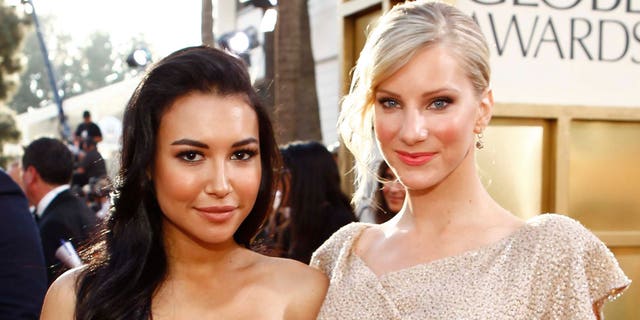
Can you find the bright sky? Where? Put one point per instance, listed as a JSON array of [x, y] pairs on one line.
[[167, 25]]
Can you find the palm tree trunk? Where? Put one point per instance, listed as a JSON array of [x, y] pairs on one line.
[[296, 101], [207, 23]]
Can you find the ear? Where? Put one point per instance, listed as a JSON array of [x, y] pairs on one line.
[[485, 109], [30, 176]]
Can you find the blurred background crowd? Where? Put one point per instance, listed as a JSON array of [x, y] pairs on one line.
[[65, 78]]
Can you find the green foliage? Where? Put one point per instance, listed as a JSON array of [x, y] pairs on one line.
[[33, 80], [8, 132], [12, 29], [90, 66]]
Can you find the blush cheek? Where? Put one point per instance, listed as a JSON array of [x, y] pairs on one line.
[[184, 188], [385, 132], [450, 133], [246, 185], [174, 186]]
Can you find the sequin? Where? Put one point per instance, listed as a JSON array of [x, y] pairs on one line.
[[551, 268]]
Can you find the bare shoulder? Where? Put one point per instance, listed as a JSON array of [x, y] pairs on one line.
[[60, 301], [305, 286], [291, 274], [371, 236]]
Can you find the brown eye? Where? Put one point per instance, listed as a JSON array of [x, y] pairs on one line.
[[190, 156], [243, 154]]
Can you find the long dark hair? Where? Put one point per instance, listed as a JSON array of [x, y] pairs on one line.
[[318, 205], [128, 261], [381, 207]]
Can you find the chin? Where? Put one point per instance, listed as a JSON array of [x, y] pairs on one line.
[[216, 236], [217, 239], [416, 183]]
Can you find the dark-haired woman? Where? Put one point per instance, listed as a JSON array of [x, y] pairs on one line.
[[195, 184], [389, 196], [317, 206]]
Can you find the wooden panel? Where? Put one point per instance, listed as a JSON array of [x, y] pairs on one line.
[[513, 165], [362, 23], [604, 175], [626, 306], [354, 29], [353, 7]]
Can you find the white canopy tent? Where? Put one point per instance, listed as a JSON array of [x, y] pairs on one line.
[[106, 105]]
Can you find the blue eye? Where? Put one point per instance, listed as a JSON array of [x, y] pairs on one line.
[[388, 103], [243, 155], [439, 104]]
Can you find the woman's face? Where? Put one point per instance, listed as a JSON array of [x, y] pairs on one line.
[[207, 167], [392, 191], [425, 117]]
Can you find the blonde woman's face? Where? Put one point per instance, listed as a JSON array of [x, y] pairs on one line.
[[207, 167], [425, 118]]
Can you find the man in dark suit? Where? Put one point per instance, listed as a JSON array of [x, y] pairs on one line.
[[23, 276], [61, 216]]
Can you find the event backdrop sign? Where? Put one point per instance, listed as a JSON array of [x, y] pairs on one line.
[[562, 52]]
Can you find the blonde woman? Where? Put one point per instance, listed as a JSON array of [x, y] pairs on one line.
[[422, 82]]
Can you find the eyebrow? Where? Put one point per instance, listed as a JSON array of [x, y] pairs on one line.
[[189, 142], [424, 94], [244, 142], [198, 144]]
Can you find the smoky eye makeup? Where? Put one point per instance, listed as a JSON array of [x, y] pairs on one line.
[[190, 155], [440, 103], [387, 102], [244, 154]]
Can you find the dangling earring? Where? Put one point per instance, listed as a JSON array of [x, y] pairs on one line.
[[479, 143]]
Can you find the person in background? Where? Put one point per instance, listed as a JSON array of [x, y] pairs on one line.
[[422, 82], [199, 165], [14, 170], [64, 220], [389, 196], [97, 195], [317, 206], [387, 199], [274, 237], [87, 129], [23, 275], [90, 165], [334, 148]]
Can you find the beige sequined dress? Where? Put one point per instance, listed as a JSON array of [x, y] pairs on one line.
[[551, 268]]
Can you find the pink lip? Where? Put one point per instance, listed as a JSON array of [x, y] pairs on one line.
[[216, 213], [415, 158]]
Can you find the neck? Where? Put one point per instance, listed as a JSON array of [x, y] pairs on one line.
[[459, 200], [190, 258], [38, 192]]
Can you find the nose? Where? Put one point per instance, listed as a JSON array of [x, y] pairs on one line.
[[218, 183], [395, 187], [414, 127]]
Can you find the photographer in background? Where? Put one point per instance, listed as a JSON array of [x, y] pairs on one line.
[[87, 130], [90, 164]]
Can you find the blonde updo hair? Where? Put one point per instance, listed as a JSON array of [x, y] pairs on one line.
[[392, 42]]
